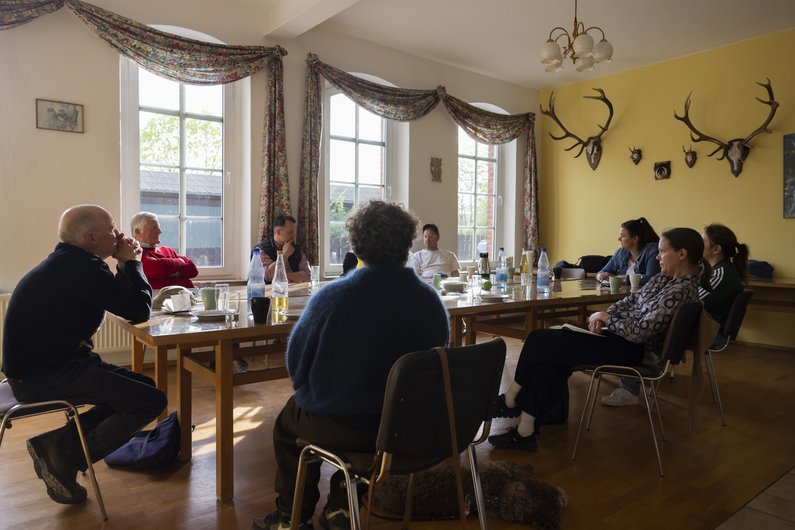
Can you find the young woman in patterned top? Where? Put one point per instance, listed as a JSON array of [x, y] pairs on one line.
[[631, 331]]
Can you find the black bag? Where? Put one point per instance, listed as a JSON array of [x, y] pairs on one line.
[[155, 449], [592, 263], [760, 269]]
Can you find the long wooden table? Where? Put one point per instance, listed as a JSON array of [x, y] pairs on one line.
[[186, 333]]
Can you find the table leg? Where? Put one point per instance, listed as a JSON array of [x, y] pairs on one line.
[[137, 355], [224, 435], [184, 406], [472, 334], [161, 373], [456, 331]]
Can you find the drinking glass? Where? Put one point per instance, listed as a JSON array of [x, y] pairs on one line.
[[229, 303], [314, 276], [475, 288]]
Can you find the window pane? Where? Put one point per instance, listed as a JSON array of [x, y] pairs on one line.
[[466, 210], [485, 180], [466, 175], [204, 242], [486, 150], [342, 160], [485, 241], [371, 164], [466, 145], [204, 143], [342, 116], [156, 91], [206, 100], [371, 127], [370, 192], [159, 139], [204, 190], [341, 201], [484, 210], [169, 227], [160, 191], [466, 244], [338, 242]]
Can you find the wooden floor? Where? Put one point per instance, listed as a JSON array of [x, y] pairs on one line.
[[613, 485]]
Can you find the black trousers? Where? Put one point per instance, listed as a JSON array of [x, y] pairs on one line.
[[124, 402], [329, 432], [549, 355]]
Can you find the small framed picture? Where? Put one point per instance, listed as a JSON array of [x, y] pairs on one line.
[[662, 170], [59, 116]]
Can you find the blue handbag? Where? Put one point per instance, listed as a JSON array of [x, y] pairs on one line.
[[155, 449]]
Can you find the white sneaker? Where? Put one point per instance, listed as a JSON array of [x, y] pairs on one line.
[[621, 397]]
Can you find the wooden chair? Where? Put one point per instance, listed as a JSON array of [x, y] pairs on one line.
[[677, 338], [415, 430], [10, 409], [727, 333]]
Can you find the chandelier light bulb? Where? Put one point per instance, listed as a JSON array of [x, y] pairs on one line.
[[603, 52], [550, 53], [584, 64], [583, 45]]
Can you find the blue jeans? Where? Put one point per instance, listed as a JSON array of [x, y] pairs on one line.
[[633, 385], [124, 402]]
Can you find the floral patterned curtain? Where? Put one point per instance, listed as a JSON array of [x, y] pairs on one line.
[[193, 62], [404, 105], [14, 13]]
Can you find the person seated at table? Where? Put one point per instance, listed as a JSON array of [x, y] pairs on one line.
[[339, 354], [637, 253], [54, 311], [163, 266], [629, 332], [349, 263], [729, 262], [295, 262], [431, 259]]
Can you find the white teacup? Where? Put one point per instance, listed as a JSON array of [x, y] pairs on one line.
[[180, 302], [463, 276], [634, 282]]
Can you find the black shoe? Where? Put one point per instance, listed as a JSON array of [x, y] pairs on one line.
[[504, 411], [511, 439], [337, 519], [277, 521], [56, 472]]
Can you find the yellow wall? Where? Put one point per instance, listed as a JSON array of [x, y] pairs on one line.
[[581, 209]]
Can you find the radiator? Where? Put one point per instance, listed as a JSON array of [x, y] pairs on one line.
[[110, 339]]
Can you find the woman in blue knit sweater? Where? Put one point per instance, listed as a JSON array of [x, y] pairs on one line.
[[340, 352]]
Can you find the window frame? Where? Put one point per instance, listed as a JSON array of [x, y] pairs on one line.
[[324, 186], [232, 240]]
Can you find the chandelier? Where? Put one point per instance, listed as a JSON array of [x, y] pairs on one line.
[[579, 47]]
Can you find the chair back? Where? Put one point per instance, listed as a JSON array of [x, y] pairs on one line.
[[679, 332], [572, 274], [731, 326], [414, 419]]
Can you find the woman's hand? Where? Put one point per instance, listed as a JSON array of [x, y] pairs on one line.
[[602, 276], [597, 322]]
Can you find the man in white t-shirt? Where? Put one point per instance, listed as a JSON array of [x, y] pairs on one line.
[[432, 260]]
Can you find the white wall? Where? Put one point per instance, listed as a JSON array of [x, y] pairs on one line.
[[58, 57]]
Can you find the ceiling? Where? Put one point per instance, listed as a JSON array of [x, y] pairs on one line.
[[502, 38]]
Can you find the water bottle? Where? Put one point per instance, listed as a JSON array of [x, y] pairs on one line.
[[256, 277], [542, 281], [279, 284], [502, 271]]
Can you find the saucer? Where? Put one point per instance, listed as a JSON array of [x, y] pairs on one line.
[[212, 314]]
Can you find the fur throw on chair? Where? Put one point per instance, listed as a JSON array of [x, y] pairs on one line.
[[509, 492]]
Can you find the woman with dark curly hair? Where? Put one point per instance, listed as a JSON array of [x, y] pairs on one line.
[[340, 352]]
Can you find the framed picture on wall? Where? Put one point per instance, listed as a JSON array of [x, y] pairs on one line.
[[789, 176], [59, 116]]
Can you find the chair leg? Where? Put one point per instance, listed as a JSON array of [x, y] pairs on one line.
[[651, 425], [300, 484], [4, 424], [408, 506], [582, 416], [713, 381], [90, 466], [478, 488], [592, 403], [656, 404]]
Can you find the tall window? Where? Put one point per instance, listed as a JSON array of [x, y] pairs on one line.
[[181, 137], [355, 169], [477, 195]]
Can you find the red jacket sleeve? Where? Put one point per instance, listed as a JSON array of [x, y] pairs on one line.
[[162, 263]]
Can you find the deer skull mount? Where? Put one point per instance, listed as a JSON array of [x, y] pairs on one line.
[[593, 144], [734, 151], [690, 156], [636, 156]]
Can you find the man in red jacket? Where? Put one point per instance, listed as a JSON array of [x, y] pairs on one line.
[[162, 265]]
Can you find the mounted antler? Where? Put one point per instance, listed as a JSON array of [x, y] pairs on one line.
[[736, 150], [593, 144]]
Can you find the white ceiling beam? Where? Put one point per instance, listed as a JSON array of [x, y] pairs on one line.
[[288, 19]]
